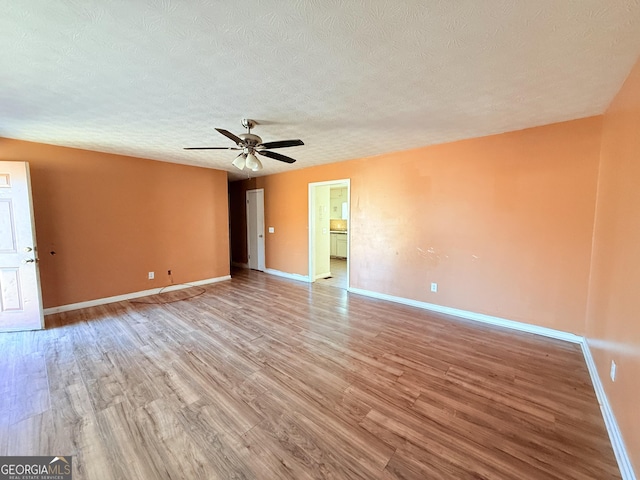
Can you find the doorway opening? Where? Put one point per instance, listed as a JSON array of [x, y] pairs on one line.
[[255, 229], [329, 232]]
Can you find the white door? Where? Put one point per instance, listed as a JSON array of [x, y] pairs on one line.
[[320, 210], [255, 229], [20, 300]]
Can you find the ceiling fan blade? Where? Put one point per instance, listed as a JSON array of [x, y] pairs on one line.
[[212, 148], [276, 156], [229, 135], [282, 144]]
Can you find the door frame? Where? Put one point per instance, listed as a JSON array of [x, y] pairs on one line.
[[261, 239], [311, 219]]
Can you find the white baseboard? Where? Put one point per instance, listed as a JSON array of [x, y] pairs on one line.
[[292, 276], [239, 265], [619, 449], [478, 317], [128, 296]]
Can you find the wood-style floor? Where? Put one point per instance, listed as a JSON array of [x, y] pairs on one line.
[[338, 276], [266, 378]]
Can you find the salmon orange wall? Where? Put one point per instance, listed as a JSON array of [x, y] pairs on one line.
[[613, 323], [111, 219], [502, 223]]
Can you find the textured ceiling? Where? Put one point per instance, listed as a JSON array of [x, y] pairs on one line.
[[350, 78]]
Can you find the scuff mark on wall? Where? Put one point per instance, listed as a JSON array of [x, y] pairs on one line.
[[433, 257]]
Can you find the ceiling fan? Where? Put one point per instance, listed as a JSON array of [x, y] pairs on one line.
[[251, 144]]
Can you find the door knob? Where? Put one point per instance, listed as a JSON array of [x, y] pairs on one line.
[[28, 260], [259, 236]]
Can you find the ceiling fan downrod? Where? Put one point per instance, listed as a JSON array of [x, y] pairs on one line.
[[248, 124]]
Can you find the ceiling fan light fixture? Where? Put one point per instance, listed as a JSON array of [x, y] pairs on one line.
[[239, 161], [258, 166], [253, 163]]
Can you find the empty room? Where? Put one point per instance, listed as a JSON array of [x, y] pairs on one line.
[[313, 240]]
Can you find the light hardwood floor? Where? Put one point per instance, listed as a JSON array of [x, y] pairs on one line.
[[338, 276], [266, 378]]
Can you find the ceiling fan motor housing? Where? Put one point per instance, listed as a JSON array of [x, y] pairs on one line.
[[250, 139]]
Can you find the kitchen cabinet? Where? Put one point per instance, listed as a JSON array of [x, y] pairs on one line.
[[338, 245], [341, 246]]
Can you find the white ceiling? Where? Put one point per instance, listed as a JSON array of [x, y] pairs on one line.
[[350, 78]]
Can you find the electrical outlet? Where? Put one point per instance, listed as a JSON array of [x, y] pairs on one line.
[[613, 371], [434, 287], [152, 275], [272, 230]]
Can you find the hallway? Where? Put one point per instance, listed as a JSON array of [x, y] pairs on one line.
[[338, 276]]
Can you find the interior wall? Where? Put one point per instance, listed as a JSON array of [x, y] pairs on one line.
[[613, 326], [111, 219], [502, 223]]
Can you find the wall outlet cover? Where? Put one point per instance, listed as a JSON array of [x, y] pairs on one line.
[[151, 275], [434, 287]]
